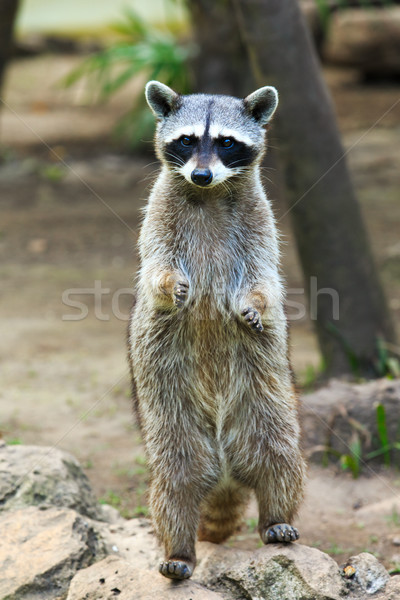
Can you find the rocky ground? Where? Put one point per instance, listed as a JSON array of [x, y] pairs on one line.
[[58, 544]]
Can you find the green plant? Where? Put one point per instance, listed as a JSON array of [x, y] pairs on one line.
[[14, 442], [252, 524], [382, 433], [311, 375], [334, 549], [142, 50], [385, 445], [324, 10], [395, 569], [352, 460], [140, 460], [386, 364], [394, 518], [111, 498], [53, 173], [141, 511]]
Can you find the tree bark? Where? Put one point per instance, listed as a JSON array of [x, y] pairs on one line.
[[8, 12], [222, 65], [327, 222]]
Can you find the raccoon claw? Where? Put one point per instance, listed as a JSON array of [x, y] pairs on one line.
[[280, 533], [180, 293], [176, 569], [253, 318]]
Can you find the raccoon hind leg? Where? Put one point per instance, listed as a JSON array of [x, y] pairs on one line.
[[222, 511]]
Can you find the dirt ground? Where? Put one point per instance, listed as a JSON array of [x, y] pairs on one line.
[[70, 207]]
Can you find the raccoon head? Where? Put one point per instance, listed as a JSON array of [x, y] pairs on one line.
[[208, 138]]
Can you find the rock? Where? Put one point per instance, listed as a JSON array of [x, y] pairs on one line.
[[369, 575], [368, 39], [290, 572], [35, 476], [392, 590], [332, 415], [133, 540], [47, 553], [396, 541], [117, 578], [40, 551]]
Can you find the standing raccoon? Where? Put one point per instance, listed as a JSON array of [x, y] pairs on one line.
[[208, 334]]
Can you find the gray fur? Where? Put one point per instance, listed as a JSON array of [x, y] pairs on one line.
[[214, 394]]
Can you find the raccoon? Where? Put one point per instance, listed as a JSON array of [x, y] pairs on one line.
[[208, 344]]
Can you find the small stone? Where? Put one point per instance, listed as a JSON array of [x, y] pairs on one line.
[[371, 576], [396, 541]]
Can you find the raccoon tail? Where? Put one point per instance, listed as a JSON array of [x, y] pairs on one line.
[[222, 511]]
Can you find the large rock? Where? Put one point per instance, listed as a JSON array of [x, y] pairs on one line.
[[368, 39], [293, 572], [40, 476], [286, 572], [115, 577], [40, 551], [54, 553], [334, 414]]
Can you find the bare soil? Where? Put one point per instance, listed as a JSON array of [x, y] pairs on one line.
[[70, 208]]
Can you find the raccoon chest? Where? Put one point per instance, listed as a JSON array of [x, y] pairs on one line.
[[213, 263]]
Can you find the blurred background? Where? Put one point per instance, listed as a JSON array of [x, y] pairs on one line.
[[77, 163]]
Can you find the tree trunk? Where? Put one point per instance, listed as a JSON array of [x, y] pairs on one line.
[[222, 66], [329, 230], [8, 12]]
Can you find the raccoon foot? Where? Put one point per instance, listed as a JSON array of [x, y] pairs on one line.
[[253, 318], [176, 568], [180, 293], [280, 532]]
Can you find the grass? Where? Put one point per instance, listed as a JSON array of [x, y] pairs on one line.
[[252, 524], [353, 460], [335, 550], [393, 518], [112, 499], [53, 173], [129, 495], [14, 442], [395, 570]]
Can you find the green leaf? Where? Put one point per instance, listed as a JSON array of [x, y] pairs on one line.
[[382, 432]]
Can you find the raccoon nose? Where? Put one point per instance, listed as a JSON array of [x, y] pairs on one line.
[[201, 177]]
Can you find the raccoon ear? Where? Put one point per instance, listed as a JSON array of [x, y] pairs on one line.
[[262, 104], [161, 99]]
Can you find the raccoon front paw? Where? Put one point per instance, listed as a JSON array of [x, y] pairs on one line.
[[252, 318], [180, 293]]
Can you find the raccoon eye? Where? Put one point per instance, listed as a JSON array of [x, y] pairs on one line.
[[186, 140], [227, 143]]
